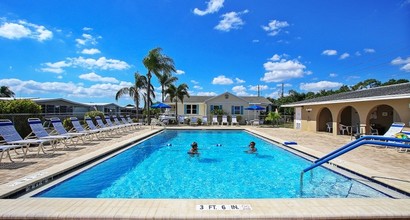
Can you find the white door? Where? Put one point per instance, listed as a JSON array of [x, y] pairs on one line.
[[298, 117]]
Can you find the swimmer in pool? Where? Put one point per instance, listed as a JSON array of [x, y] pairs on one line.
[[252, 148], [194, 149]]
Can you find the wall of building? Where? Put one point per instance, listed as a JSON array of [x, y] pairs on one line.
[[361, 113]]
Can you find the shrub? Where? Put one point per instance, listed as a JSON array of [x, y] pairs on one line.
[[18, 111], [93, 114]]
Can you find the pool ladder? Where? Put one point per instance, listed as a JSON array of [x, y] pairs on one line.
[[368, 139]]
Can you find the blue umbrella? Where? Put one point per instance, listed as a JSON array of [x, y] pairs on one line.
[[160, 105], [254, 107]]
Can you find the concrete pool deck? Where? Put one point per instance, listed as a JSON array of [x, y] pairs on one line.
[[381, 164]]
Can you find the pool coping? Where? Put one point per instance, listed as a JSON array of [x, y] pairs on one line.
[[41, 208]]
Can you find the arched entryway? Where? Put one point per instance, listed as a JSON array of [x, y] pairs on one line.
[[324, 117], [349, 120], [381, 117]]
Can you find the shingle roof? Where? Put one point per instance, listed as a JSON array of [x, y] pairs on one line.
[[200, 99], [379, 93]]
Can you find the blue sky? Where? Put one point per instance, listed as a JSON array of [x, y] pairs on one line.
[[87, 50]]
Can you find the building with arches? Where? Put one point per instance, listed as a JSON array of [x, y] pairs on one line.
[[366, 111]]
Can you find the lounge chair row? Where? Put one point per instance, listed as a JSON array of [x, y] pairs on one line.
[[47, 142]]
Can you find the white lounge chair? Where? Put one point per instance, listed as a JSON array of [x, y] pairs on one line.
[[80, 129], [215, 120], [59, 129], [395, 128], [194, 121], [234, 121], [12, 137], [40, 132], [6, 149], [224, 120], [204, 120], [93, 127]]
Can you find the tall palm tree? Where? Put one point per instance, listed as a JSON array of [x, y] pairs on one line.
[[156, 62], [136, 91], [6, 92], [165, 79], [176, 93]]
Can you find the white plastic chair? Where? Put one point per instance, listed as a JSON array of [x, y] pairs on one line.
[[204, 120], [343, 128], [215, 120], [329, 126], [234, 121], [224, 120]]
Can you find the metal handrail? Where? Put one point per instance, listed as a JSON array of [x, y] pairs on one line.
[[368, 139]]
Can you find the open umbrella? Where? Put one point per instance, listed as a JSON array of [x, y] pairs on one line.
[[160, 105], [254, 108]]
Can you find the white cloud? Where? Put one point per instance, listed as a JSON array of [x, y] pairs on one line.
[[261, 87], [207, 94], [283, 70], [222, 80], [255, 41], [239, 81], [56, 67], [97, 78], [87, 29], [194, 82], [404, 62], [275, 57], [180, 72], [87, 39], [231, 21], [357, 53], [344, 56], [329, 52], [240, 90], [315, 87], [102, 63], [197, 87], [333, 75], [90, 51], [23, 29], [369, 50], [64, 89], [212, 7], [275, 27]]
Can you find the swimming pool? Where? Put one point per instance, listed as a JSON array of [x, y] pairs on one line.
[[160, 167]]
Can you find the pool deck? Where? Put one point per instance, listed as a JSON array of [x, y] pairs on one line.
[[381, 164]]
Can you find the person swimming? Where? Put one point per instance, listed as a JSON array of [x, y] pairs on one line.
[[252, 148], [194, 149]]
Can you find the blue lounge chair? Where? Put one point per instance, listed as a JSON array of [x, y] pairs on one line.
[[12, 137], [80, 129], [40, 132], [59, 128]]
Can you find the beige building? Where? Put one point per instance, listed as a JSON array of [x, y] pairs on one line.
[[364, 111], [198, 106]]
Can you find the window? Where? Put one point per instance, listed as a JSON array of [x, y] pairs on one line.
[[191, 109], [237, 110]]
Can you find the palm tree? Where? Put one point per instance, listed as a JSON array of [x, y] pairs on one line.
[[176, 93], [136, 91], [165, 79], [156, 62], [6, 92]]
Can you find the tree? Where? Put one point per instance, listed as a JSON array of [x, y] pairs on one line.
[[135, 91], [273, 116], [176, 93], [165, 79], [156, 62], [6, 92]]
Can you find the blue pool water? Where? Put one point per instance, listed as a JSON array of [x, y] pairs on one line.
[[161, 168]]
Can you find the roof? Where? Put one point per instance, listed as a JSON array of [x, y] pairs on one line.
[[203, 99], [397, 91]]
